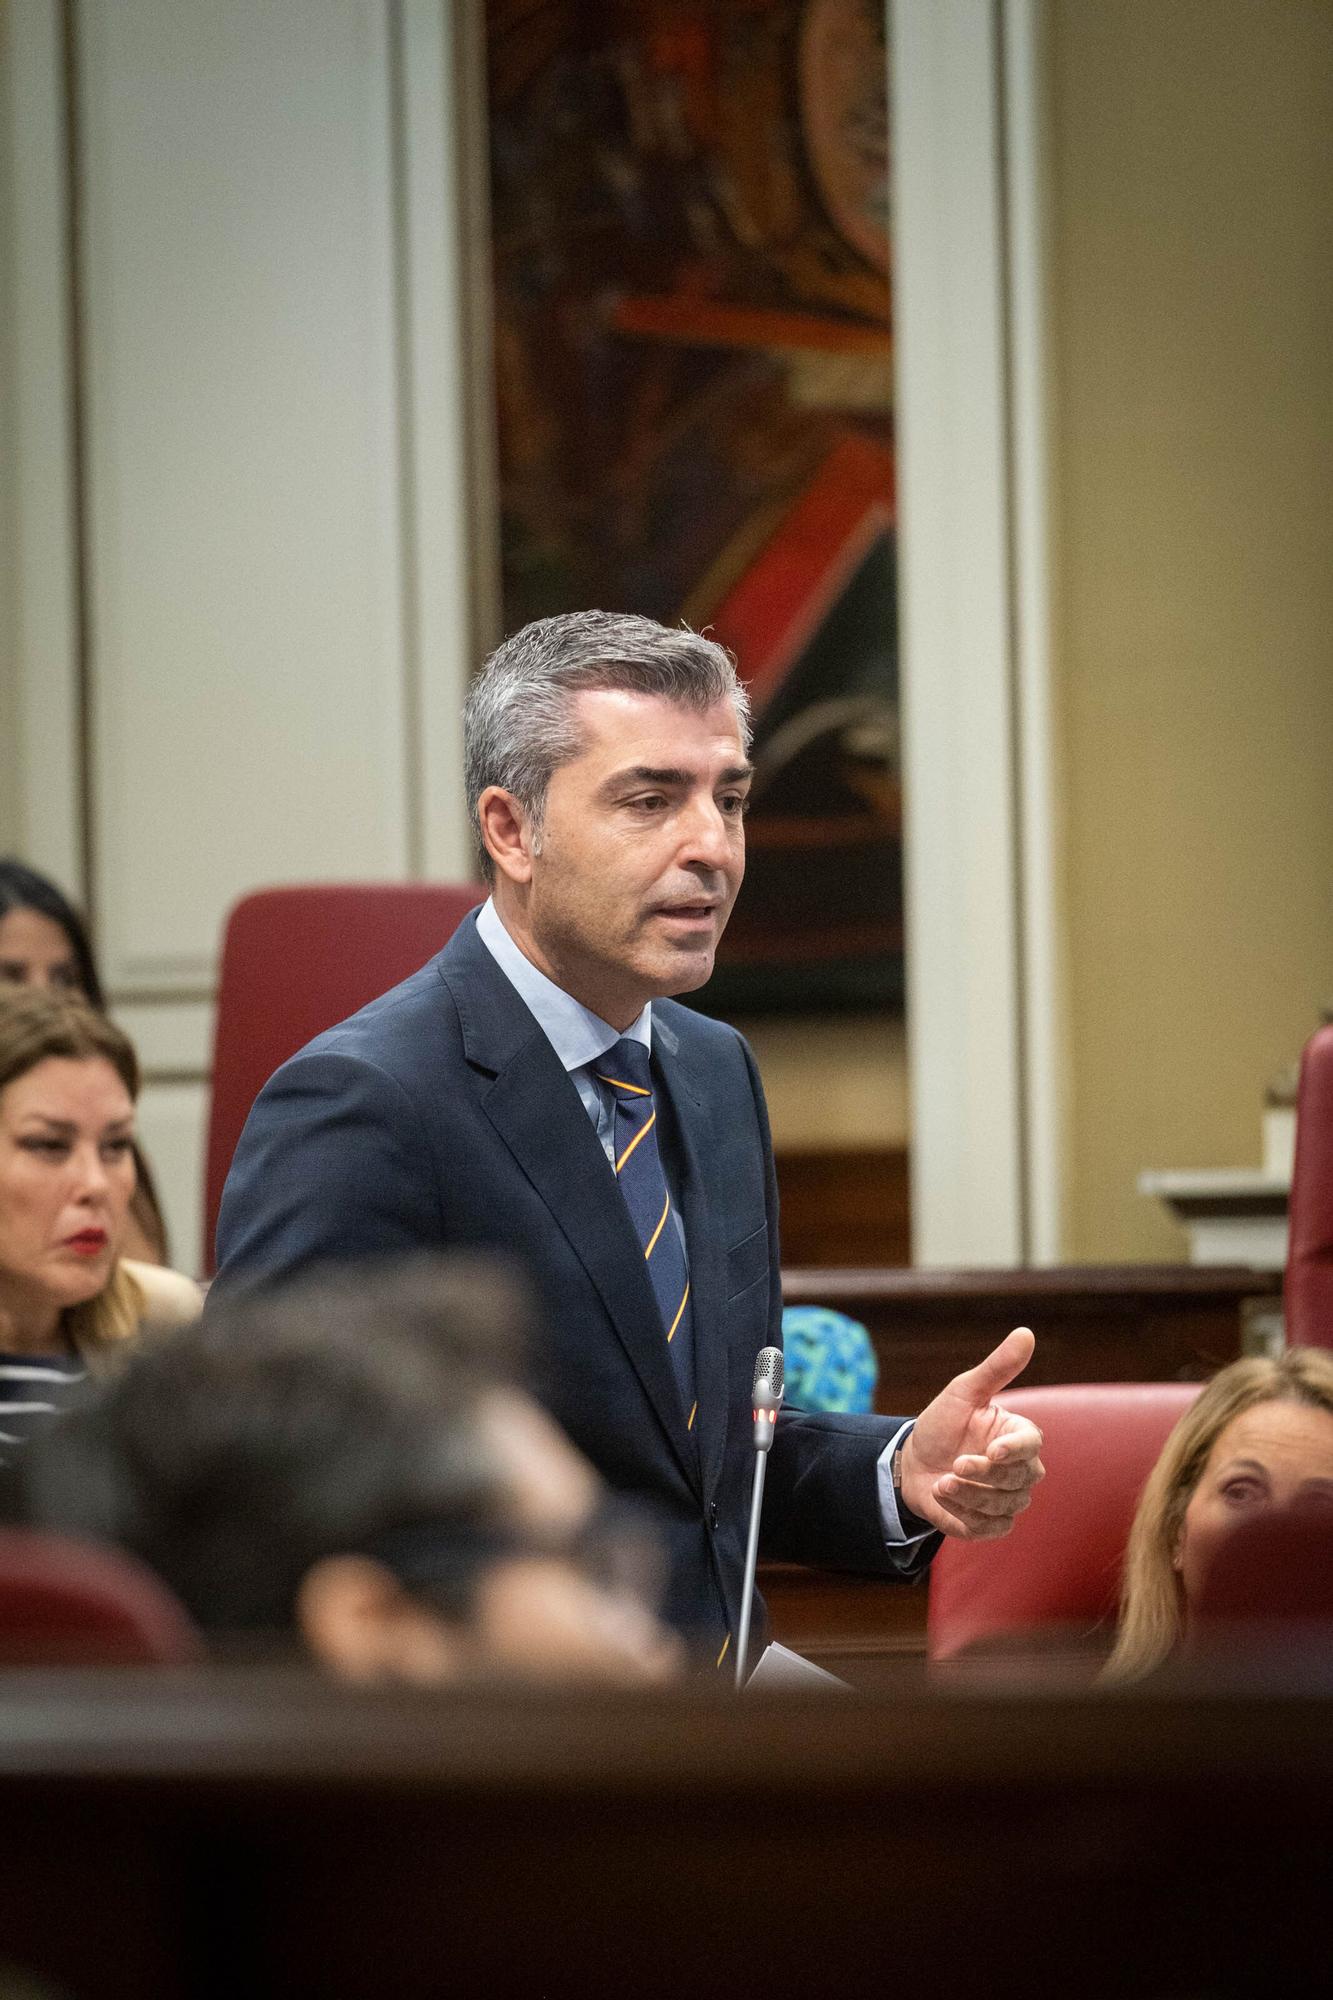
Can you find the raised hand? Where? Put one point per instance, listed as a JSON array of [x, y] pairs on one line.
[[969, 1466]]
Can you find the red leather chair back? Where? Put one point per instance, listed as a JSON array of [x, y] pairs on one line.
[[67, 1603], [296, 961], [1309, 1280], [1060, 1566]]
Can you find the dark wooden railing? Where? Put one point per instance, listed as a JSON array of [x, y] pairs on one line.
[[225, 1834]]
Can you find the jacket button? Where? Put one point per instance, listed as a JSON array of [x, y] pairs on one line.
[[712, 1513]]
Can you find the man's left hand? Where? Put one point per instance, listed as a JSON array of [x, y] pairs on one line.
[[968, 1467]]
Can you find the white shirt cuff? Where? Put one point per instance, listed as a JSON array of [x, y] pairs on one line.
[[890, 1518]]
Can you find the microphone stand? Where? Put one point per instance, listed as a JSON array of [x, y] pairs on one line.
[[751, 1561], [767, 1393]]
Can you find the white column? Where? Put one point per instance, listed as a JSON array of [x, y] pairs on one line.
[[981, 1030], [452, 515]]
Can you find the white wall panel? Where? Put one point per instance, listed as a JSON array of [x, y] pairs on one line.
[[173, 1036], [963, 1012], [278, 436], [44, 813], [242, 462], [1033, 417], [452, 514], [172, 1121]]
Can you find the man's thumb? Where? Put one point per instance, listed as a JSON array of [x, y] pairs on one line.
[[998, 1369]]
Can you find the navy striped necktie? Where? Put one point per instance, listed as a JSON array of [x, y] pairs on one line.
[[625, 1069]]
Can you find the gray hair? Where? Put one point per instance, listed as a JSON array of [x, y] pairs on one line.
[[518, 724]]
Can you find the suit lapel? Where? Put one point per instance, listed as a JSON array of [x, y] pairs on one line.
[[536, 1111], [700, 1207]]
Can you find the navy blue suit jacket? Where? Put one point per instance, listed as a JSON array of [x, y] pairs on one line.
[[440, 1116]]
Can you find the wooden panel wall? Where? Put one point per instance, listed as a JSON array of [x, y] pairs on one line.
[[845, 1208]]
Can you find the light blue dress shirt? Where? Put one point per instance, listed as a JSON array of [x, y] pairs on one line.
[[580, 1038]]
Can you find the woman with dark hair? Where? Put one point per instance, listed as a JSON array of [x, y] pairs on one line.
[[43, 939], [44, 943]]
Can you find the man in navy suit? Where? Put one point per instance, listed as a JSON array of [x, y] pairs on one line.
[[491, 1099]]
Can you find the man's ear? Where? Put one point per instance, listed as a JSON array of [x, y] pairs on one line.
[[356, 1618], [507, 832]]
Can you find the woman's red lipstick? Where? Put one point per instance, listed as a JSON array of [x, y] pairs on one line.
[[88, 1242]]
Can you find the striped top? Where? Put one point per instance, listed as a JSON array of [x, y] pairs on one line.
[[34, 1388]]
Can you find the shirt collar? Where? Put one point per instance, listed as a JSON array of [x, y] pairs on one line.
[[577, 1035]]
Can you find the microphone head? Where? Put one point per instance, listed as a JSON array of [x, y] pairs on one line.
[[769, 1373]]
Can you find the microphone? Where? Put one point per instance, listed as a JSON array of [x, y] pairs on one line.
[[767, 1400], [767, 1395]]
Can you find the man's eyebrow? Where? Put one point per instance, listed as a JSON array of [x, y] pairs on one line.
[[668, 775]]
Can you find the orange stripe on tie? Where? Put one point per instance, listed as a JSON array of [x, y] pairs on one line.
[[723, 1654], [676, 1322], [693, 1414], [618, 1083], [642, 1133], [652, 1240]]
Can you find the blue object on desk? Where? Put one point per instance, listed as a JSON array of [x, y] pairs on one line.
[[830, 1361]]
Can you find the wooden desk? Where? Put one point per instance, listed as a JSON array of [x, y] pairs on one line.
[[216, 1834]]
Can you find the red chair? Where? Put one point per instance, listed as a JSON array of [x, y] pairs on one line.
[[71, 1604], [1308, 1287], [1060, 1566], [294, 962]]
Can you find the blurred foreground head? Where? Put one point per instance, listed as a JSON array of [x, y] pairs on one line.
[[1256, 1441], [348, 1463]]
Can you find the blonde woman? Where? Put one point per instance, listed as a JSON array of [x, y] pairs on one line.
[[1259, 1435], [68, 1299]]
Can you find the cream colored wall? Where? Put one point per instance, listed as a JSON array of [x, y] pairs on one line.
[[1192, 338]]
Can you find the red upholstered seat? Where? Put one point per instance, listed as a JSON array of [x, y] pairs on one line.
[[67, 1603], [1060, 1567], [294, 962], [1309, 1281]]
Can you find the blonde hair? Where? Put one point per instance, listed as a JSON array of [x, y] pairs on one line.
[[1150, 1595], [35, 1024], [98, 1327]]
